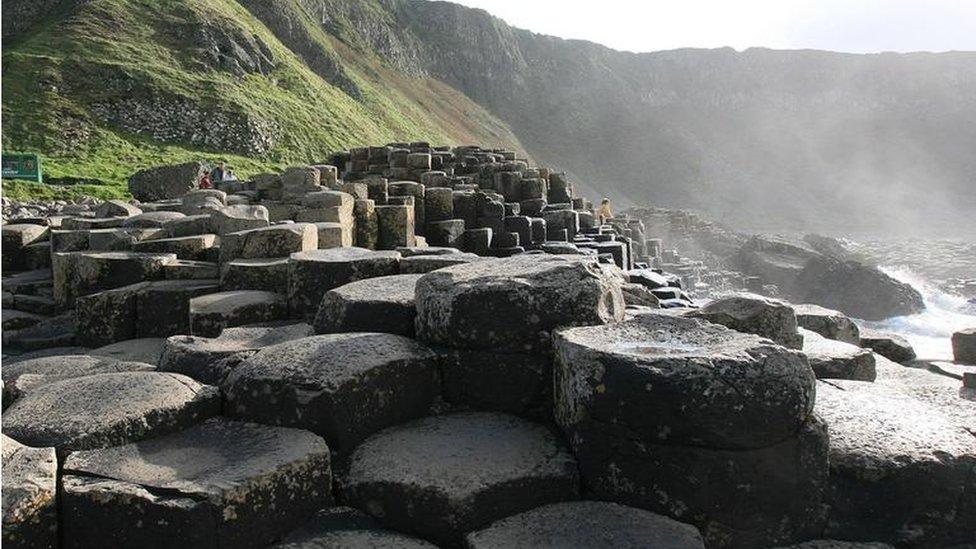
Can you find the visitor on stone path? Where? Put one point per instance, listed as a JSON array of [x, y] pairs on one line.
[[603, 212], [217, 174], [229, 175], [204, 181]]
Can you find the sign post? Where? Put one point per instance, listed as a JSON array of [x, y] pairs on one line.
[[22, 166]]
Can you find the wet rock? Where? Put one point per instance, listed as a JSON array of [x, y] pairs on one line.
[[311, 274], [441, 477], [209, 360], [218, 484], [901, 469], [891, 346], [678, 380], [211, 313], [828, 323], [108, 409], [164, 182], [382, 304], [832, 359], [858, 290], [586, 525], [964, 346], [341, 386], [513, 304], [755, 314], [347, 528], [30, 516]]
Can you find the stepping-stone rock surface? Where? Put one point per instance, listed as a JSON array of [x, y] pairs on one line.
[[832, 359], [108, 409], [828, 323], [25, 375], [755, 314], [513, 304], [382, 304], [586, 525], [443, 476], [145, 349], [209, 360], [901, 468], [681, 380], [341, 386], [210, 314], [30, 516], [311, 274], [347, 528], [218, 484]]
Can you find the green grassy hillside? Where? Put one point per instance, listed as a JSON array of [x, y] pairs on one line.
[[112, 86]]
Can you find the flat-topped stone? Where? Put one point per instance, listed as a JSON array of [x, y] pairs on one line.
[[311, 274], [347, 528], [901, 468], [82, 273], [680, 380], [341, 386], [443, 476], [30, 516], [116, 208], [586, 525], [382, 304], [274, 241], [25, 375], [755, 314], [232, 219], [211, 313], [419, 264], [964, 346], [832, 359], [219, 484], [144, 349], [268, 274], [891, 346], [108, 409], [513, 304], [828, 323], [151, 220], [185, 247], [209, 360]]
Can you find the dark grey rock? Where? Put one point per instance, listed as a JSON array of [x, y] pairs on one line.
[[311, 274], [519, 384], [19, 377], [832, 359], [828, 323], [964, 346], [755, 314], [382, 304], [891, 346], [164, 182], [146, 349], [210, 314], [30, 516], [347, 528]]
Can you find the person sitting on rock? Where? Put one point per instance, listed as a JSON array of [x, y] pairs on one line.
[[217, 174], [603, 212], [204, 181]]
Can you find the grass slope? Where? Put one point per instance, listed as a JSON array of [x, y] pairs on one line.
[[108, 49]]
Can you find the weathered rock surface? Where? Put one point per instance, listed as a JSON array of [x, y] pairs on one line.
[[443, 476], [311, 274], [347, 528], [514, 304], [274, 241], [145, 349], [218, 484], [828, 323], [382, 304], [832, 359], [891, 346], [514, 383], [165, 181], [108, 409], [30, 516], [341, 386], [754, 314], [586, 525], [210, 314], [964, 346], [25, 375]]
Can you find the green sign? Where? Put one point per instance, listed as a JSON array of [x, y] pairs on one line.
[[21, 166]]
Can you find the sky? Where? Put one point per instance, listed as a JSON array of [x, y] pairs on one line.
[[855, 26]]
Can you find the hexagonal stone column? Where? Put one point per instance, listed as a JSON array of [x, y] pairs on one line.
[[341, 386], [754, 314], [382, 304], [311, 274], [108, 409], [513, 304], [82, 273], [24, 375], [275, 241], [586, 525], [210, 314], [443, 476], [837, 360], [345, 527], [30, 515], [218, 484]]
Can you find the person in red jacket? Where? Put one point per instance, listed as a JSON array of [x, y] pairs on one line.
[[205, 181]]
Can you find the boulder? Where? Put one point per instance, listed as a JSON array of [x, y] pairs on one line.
[[443, 476], [312, 274], [382, 304], [232, 219], [514, 304], [209, 360], [102, 410], [16, 320], [164, 182], [274, 241], [341, 386], [964, 346], [211, 313], [828, 323], [586, 525], [218, 484], [347, 528], [901, 468], [676, 380], [755, 314], [30, 515], [639, 295], [188, 226], [891, 346], [116, 208], [832, 359]]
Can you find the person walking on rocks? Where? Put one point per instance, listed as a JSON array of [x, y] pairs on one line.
[[603, 212]]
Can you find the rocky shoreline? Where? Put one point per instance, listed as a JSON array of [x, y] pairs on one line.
[[427, 346]]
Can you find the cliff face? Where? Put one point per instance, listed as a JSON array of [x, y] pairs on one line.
[[773, 139]]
